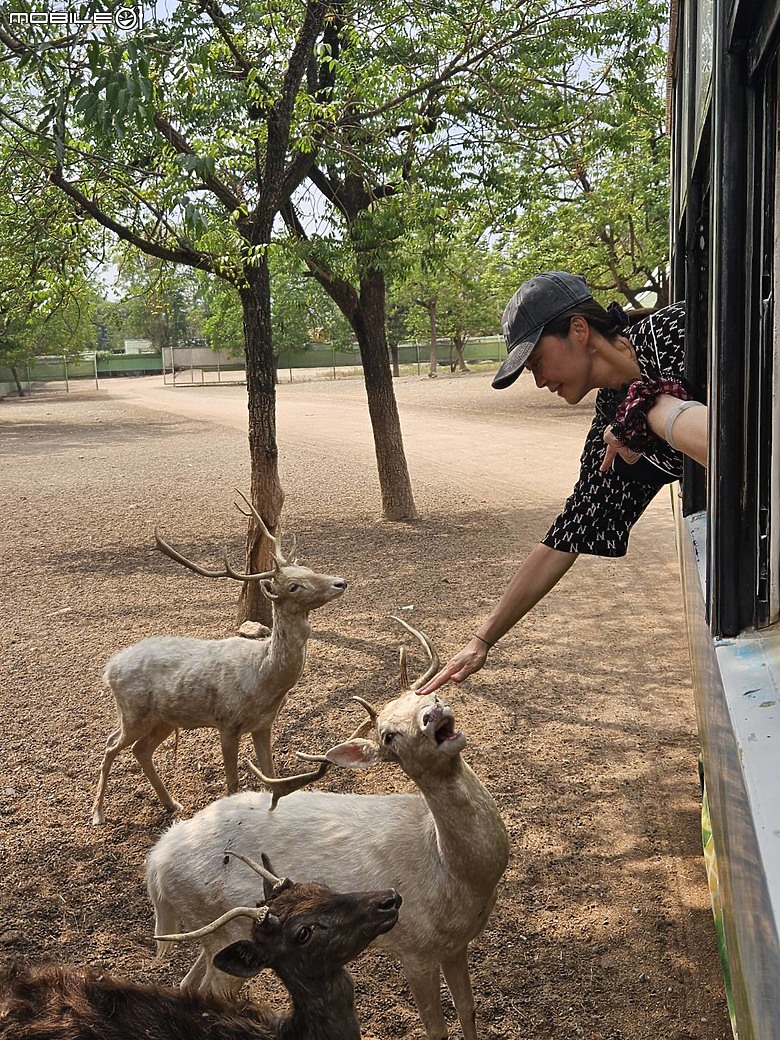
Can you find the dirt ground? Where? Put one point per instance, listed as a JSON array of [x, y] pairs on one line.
[[582, 725]]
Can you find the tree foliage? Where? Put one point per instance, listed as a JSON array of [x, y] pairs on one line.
[[364, 127], [538, 127], [449, 287], [183, 141], [164, 303], [300, 312], [592, 194], [47, 298]]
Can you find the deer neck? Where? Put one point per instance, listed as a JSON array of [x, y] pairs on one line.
[[470, 834], [289, 635], [321, 1010]]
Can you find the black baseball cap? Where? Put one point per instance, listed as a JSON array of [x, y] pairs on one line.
[[536, 303]]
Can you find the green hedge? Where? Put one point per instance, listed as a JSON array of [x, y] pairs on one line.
[[483, 349]]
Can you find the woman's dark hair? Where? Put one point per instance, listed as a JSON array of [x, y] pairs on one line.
[[608, 321]]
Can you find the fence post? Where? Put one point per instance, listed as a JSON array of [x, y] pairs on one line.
[[94, 361], [65, 366], [417, 351]]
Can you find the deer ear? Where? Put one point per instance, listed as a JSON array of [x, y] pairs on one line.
[[265, 588], [242, 959], [354, 754]]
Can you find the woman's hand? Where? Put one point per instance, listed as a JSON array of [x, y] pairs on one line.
[[614, 447], [469, 660]]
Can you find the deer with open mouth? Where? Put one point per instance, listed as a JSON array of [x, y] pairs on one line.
[[444, 849]]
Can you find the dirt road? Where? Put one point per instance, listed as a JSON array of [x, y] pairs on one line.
[[582, 726]]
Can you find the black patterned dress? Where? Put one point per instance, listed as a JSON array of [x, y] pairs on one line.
[[603, 507]]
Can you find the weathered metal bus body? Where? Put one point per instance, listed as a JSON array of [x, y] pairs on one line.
[[725, 262]]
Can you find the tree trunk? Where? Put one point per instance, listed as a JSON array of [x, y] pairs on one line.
[[459, 343], [431, 307], [394, 360], [17, 380], [368, 322], [365, 312], [266, 492]]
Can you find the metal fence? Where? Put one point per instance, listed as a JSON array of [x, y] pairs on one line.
[[58, 373], [200, 366], [53, 373]]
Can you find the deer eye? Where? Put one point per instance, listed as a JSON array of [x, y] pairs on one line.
[[303, 935], [387, 738], [292, 587]]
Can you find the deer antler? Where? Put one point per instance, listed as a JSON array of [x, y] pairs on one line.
[[433, 657], [228, 572], [267, 875], [279, 786], [275, 540], [373, 714], [403, 671], [257, 913]]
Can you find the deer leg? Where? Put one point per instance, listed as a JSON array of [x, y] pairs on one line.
[[117, 741], [424, 981], [194, 977], [261, 738], [209, 981], [456, 972], [229, 738], [217, 984], [143, 750]]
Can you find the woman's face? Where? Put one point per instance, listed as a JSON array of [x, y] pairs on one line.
[[564, 365]]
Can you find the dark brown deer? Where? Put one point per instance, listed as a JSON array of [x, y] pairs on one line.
[[306, 933]]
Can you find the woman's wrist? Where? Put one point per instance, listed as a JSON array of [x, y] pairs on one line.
[[631, 425], [663, 415], [487, 642]]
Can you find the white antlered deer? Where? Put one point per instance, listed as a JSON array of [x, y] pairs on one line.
[[306, 933], [234, 685], [444, 849]]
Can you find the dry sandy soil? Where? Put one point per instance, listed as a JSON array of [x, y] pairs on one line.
[[582, 726]]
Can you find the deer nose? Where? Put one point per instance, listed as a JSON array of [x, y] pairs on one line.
[[392, 902], [427, 716], [339, 583]]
